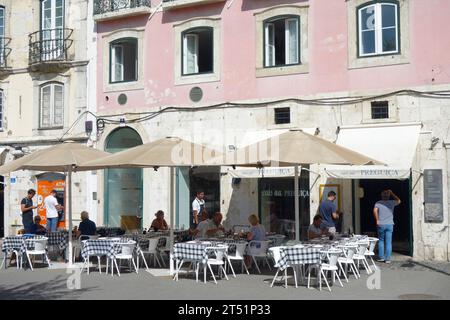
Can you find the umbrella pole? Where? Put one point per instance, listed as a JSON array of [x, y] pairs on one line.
[[172, 217], [297, 208], [69, 206]]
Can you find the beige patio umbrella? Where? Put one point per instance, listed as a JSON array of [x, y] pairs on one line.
[[63, 157], [293, 148], [166, 152]]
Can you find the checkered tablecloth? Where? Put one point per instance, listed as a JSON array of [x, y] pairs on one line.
[[191, 251], [14, 243], [100, 248], [290, 256], [59, 239]]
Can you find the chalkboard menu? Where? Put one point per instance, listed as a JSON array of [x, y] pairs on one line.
[[433, 196]]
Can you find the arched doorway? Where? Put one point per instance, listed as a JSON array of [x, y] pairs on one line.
[[123, 187]]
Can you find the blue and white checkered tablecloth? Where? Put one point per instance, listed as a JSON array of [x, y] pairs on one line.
[[58, 238], [290, 256], [99, 247], [14, 243], [191, 251]]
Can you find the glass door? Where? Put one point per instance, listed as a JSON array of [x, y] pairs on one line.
[[52, 29]]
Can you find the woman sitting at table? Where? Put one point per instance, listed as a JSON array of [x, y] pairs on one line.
[[159, 223], [215, 227], [257, 231]]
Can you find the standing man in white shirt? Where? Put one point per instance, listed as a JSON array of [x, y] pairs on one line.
[[197, 208], [51, 207]]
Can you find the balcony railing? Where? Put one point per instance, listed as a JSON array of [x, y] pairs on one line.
[[50, 45], [5, 50], [109, 6]]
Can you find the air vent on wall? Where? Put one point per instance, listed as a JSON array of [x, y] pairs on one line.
[[122, 99], [196, 94]]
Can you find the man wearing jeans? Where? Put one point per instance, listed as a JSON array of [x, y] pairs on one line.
[[384, 217], [51, 207]]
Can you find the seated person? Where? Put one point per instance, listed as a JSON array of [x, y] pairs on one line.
[[257, 231], [202, 227], [86, 227], [315, 230], [159, 223], [37, 228], [215, 228]]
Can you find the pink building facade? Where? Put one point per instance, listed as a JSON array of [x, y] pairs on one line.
[[369, 75]]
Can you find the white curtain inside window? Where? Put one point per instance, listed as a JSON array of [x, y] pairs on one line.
[[58, 105], [292, 54], [46, 106], [270, 44], [190, 54], [116, 63]]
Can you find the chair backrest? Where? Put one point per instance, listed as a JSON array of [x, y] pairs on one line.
[[333, 255], [276, 254], [221, 252], [39, 244], [277, 239], [258, 247], [86, 237], [128, 247], [362, 247], [372, 244], [240, 249], [350, 250], [152, 244], [166, 241]]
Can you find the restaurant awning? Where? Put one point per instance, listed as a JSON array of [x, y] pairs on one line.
[[393, 144]]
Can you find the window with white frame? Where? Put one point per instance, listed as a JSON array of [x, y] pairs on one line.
[[198, 51], [2, 109], [282, 41], [378, 29], [52, 105], [123, 60]]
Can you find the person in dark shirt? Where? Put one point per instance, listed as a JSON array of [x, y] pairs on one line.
[[37, 228], [329, 213], [26, 206], [86, 227]]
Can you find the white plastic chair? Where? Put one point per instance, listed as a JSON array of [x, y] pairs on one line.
[[40, 249], [151, 251], [258, 250], [276, 255], [126, 254], [370, 252], [332, 255], [347, 260], [164, 249], [220, 253], [238, 256], [360, 255]]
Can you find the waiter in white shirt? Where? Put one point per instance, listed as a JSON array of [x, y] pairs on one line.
[[197, 208], [51, 208]]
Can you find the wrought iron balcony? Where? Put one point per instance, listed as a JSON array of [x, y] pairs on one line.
[[5, 50], [49, 47], [175, 4], [111, 9]]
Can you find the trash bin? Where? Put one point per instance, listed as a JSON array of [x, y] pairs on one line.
[[128, 223]]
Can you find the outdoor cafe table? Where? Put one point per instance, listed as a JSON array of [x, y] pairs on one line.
[[13, 243], [101, 247], [58, 238], [290, 256], [195, 251]]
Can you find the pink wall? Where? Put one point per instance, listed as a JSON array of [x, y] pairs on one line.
[[429, 55]]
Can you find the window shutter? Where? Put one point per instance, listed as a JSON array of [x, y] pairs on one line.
[[117, 63], [292, 35], [1, 109], [58, 106], [45, 106], [190, 57], [270, 44]]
